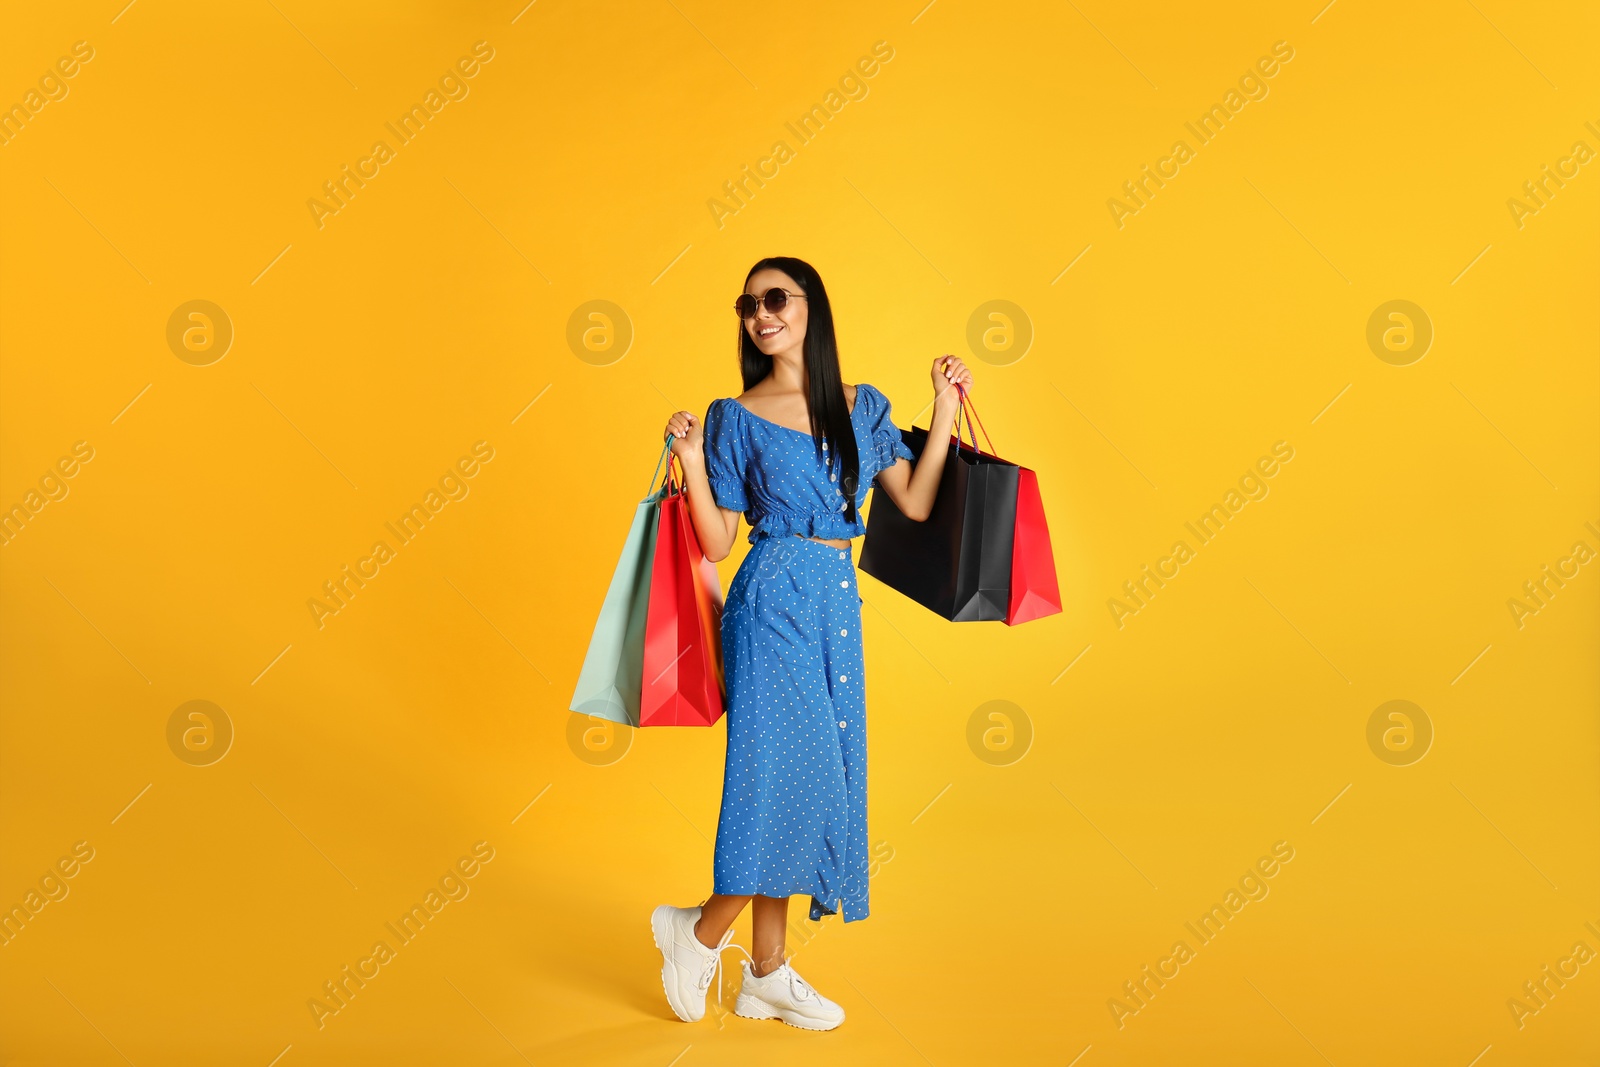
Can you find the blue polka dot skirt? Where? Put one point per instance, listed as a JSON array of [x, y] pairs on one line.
[[794, 795]]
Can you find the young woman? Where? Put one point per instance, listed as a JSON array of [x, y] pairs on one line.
[[795, 453]]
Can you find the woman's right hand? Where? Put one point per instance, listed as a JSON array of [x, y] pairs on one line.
[[687, 436]]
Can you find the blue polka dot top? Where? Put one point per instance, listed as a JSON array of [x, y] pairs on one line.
[[773, 474]]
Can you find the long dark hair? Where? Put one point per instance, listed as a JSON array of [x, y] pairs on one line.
[[830, 414]]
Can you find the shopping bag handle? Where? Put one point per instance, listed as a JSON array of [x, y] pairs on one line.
[[674, 465], [666, 447], [961, 414], [966, 403], [956, 429], [675, 481]]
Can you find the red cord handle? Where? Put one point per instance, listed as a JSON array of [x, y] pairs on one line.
[[674, 467], [971, 409], [960, 413]]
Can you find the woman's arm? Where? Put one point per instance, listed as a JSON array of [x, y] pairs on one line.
[[715, 526], [913, 489]]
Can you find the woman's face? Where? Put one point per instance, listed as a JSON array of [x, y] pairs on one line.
[[784, 332]]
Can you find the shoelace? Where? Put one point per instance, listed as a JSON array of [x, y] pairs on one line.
[[802, 988], [714, 964]]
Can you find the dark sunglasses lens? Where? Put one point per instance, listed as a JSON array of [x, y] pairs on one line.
[[745, 305], [776, 299]]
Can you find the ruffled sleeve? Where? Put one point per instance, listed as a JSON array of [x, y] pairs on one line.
[[725, 456], [887, 444]]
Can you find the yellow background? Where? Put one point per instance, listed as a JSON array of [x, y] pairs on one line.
[[371, 353]]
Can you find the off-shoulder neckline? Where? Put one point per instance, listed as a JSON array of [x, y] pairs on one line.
[[859, 386]]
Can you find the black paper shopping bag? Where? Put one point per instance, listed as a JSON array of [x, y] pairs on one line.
[[957, 563]]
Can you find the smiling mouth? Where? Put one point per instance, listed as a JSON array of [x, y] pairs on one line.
[[769, 331]]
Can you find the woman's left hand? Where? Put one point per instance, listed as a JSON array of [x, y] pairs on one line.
[[948, 371]]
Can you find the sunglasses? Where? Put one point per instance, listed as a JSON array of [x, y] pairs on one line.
[[775, 300]]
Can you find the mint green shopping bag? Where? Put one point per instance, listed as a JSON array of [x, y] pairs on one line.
[[612, 678]]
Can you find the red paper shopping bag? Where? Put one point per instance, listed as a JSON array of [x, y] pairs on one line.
[[1034, 592], [683, 681]]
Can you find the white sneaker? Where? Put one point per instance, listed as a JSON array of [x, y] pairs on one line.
[[686, 964], [783, 994]]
